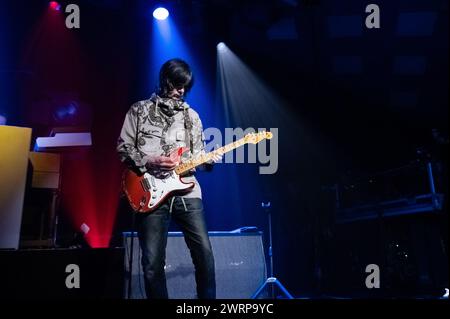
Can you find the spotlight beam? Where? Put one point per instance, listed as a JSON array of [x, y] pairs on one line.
[[247, 100]]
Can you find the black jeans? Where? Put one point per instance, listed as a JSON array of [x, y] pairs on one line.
[[153, 230]]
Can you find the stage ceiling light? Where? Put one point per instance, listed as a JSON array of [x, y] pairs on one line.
[[54, 5], [160, 13]]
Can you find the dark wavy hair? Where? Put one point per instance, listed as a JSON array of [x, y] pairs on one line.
[[175, 73]]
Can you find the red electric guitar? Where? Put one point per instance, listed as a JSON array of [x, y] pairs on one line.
[[146, 192]]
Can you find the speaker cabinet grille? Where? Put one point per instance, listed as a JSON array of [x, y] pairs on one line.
[[239, 261]]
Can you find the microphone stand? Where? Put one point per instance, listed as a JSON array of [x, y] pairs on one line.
[[271, 280]]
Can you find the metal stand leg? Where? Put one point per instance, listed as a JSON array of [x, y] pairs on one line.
[[271, 281]]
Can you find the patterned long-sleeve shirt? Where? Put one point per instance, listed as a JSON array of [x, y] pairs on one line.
[[156, 127]]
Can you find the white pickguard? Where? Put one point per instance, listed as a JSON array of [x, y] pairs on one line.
[[161, 187]]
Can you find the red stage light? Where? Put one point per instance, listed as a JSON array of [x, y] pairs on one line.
[[54, 5]]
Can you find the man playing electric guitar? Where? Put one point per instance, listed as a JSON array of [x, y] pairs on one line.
[[152, 130]]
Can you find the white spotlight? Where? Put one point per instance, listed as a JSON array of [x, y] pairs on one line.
[[160, 13], [221, 46]]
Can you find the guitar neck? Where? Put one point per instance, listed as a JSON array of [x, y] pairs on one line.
[[183, 168]]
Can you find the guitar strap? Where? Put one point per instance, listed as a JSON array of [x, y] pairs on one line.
[[188, 126]]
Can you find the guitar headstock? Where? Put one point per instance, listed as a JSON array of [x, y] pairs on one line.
[[255, 138]]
